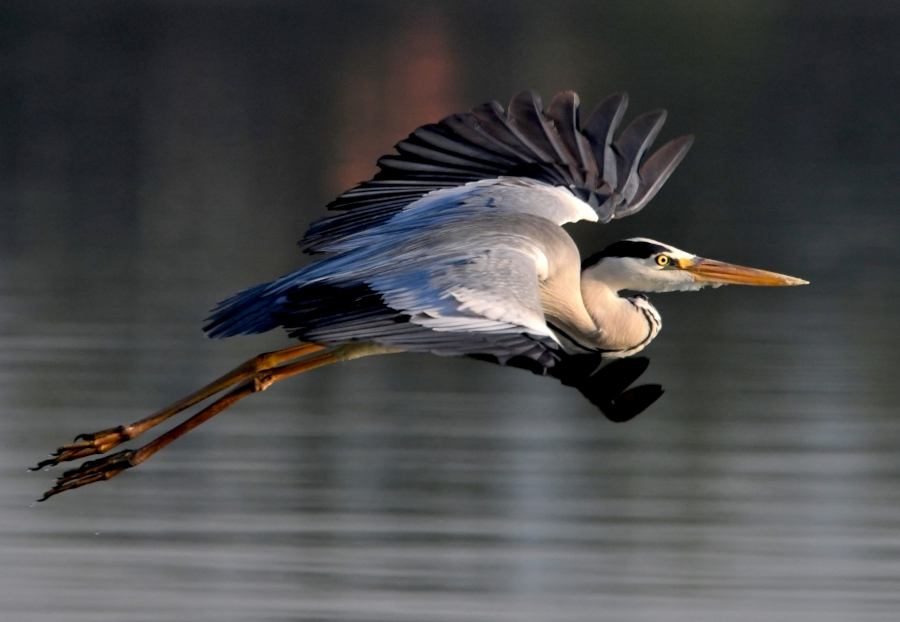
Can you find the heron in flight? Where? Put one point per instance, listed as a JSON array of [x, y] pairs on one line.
[[456, 248]]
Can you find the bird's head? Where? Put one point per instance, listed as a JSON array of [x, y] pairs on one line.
[[644, 265]]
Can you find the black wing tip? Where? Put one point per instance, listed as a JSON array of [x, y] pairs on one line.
[[615, 100], [675, 150], [550, 145], [632, 402], [654, 172], [635, 139], [607, 387], [528, 96], [678, 147], [687, 139]]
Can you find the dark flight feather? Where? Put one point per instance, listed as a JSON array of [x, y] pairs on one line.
[[605, 386], [522, 141]]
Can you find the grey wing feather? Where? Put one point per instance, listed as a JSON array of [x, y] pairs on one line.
[[654, 172], [524, 141], [526, 117], [454, 288], [631, 147], [504, 195], [563, 111], [600, 130], [478, 290]]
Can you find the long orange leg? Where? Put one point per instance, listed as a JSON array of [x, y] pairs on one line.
[[100, 442], [110, 466]]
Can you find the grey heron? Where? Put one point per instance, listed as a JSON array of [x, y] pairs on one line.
[[456, 248]]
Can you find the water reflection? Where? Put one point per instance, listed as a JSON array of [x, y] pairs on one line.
[[158, 157]]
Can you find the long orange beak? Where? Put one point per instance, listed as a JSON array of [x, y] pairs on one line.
[[711, 271]]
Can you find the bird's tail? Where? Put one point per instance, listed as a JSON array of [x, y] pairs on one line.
[[246, 313]]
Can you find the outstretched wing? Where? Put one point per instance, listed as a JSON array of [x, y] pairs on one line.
[[523, 141], [504, 195], [452, 288]]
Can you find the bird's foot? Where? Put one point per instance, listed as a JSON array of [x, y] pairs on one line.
[[93, 471], [86, 445]]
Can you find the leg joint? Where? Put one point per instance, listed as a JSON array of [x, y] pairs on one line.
[[262, 380]]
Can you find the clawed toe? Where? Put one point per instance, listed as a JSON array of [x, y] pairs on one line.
[[86, 445], [92, 471]]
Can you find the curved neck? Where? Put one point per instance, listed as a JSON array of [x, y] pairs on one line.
[[588, 315], [625, 325]]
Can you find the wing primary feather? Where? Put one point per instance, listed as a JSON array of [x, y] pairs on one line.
[[391, 183], [655, 171], [430, 154], [563, 111], [606, 211], [631, 146], [468, 127], [442, 138], [412, 188], [523, 141], [420, 166], [526, 116], [493, 122], [600, 128], [361, 200]]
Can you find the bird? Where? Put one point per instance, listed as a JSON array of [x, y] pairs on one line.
[[456, 247]]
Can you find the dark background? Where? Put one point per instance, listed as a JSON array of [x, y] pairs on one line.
[[156, 157]]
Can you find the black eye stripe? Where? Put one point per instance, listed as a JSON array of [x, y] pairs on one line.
[[625, 248]]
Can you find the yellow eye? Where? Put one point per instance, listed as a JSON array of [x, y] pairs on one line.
[[662, 260]]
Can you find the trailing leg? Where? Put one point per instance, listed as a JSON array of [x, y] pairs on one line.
[[100, 442], [110, 466]]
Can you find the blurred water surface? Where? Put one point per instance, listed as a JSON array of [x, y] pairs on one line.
[[156, 157]]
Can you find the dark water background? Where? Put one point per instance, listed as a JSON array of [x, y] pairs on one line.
[[155, 157]]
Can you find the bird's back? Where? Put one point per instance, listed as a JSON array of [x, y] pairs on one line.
[[456, 288]]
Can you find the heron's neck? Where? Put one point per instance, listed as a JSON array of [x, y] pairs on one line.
[[625, 325]]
